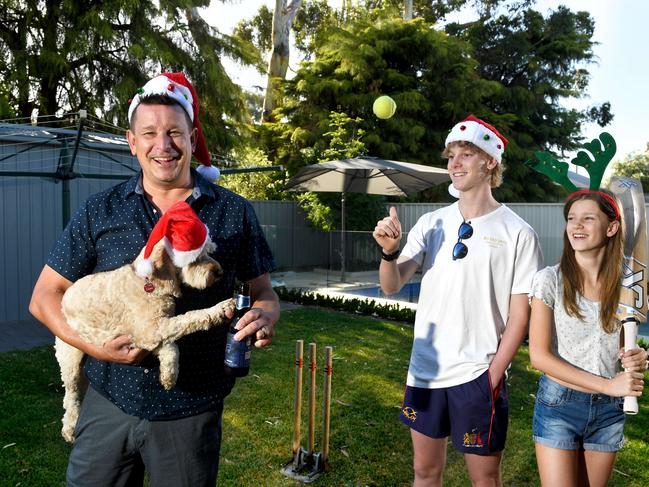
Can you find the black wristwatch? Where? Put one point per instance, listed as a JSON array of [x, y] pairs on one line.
[[390, 257]]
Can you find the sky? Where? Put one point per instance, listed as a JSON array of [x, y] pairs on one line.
[[620, 76]]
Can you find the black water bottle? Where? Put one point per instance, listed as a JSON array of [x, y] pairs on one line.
[[237, 353]]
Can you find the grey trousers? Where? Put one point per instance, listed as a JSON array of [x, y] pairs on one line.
[[114, 449]]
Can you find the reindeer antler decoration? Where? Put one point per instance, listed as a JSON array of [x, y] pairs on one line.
[[558, 170]]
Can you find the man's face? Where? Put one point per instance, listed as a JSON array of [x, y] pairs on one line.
[[163, 141], [467, 167]]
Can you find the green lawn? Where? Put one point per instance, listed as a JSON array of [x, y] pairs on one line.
[[369, 446]]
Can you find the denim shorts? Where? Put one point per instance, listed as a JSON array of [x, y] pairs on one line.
[[573, 420]]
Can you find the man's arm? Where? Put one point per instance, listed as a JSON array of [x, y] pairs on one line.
[[45, 306], [393, 274], [515, 331], [264, 312]]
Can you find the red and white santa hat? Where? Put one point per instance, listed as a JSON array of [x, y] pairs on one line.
[[481, 134], [178, 87], [183, 234]]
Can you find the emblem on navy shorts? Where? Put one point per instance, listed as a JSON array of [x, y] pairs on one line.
[[473, 439], [409, 413]]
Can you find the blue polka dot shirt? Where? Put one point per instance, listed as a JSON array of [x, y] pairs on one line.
[[109, 231]]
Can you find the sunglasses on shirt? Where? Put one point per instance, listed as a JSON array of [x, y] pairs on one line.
[[463, 233]]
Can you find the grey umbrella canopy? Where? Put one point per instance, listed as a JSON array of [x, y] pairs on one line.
[[369, 175]]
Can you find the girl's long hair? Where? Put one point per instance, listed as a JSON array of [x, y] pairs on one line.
[[610, 272]]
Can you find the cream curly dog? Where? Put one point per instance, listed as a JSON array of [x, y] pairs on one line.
[[121, 302]]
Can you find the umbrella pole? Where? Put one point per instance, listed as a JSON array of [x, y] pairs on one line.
[[342, 237]]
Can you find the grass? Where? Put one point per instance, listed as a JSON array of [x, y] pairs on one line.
[[369, 446]]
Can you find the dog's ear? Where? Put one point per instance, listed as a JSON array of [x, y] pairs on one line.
[[159, 257]]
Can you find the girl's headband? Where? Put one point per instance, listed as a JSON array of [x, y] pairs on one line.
[[609, 199]]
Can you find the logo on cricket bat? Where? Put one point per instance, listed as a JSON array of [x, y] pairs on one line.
[[633, 281]]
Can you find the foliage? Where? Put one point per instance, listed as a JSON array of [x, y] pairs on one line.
[[257, 30], [261, 185], [416, 65], [354, 305], [66, 55], [368, 445], [635, 165], [538, 63], [511, 66]]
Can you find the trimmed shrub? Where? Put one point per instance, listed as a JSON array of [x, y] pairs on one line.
[[367, 307]]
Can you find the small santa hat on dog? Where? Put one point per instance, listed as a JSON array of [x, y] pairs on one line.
[[183, 234], [481, 134], [178, 87]]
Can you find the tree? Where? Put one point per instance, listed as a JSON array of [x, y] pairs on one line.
[[635, 165], [430, 75], [537, 64], [283, 16], [64, 55], [511, 66]]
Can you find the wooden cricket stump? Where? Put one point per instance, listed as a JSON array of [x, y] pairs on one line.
[[307, 464]]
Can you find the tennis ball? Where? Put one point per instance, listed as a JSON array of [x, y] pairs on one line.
[[384, 107]]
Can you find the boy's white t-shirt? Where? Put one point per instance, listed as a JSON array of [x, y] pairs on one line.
[[464, 304]]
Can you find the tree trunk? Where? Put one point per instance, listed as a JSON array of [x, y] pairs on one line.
[[407, 10], [278, 65]]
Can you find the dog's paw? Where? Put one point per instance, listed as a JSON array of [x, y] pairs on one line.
[[167, 382], [67, 432], [167, 379], [220, 317]]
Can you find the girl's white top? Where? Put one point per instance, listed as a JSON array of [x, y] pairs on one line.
[[580, 342]]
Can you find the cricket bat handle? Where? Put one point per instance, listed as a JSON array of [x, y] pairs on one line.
[[630, 342]]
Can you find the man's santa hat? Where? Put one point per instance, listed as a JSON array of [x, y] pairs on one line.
[[183, 234], [481, 134], [178, 87]]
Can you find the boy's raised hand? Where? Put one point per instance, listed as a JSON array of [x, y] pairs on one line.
[[387, 232]]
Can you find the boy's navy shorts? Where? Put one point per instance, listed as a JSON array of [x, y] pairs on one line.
[[473, 416]]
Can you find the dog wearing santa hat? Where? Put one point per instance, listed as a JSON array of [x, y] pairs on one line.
[[139, 300]]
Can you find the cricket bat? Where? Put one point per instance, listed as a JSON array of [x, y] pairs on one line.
[[632, 309]]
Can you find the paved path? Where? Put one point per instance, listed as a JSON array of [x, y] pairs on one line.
[[23, 335]]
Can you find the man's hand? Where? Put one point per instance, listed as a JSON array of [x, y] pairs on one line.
[[256, 322], [121, 351], [387, 232]]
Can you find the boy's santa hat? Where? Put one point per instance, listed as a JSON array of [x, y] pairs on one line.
[[183, 234], [481, 134], [178, 87]]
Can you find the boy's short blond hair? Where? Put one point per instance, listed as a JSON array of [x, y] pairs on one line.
[[496, 174]]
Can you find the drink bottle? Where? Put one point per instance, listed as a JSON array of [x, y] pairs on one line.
[[237, 353]]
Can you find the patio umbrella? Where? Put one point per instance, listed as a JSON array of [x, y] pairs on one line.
[[368, 175]]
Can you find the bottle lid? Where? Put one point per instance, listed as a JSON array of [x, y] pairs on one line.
[[244, 289]]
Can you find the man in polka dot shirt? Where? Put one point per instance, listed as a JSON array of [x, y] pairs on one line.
[[129, 423]]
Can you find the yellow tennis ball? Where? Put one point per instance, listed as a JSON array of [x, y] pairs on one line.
[[384, 107]]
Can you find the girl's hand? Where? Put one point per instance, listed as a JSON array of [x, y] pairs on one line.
[[625, 384], [634, 359]]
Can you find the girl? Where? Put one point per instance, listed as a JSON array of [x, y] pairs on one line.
[[574, 340]]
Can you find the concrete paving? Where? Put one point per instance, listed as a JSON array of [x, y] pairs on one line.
[[23, 335]]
